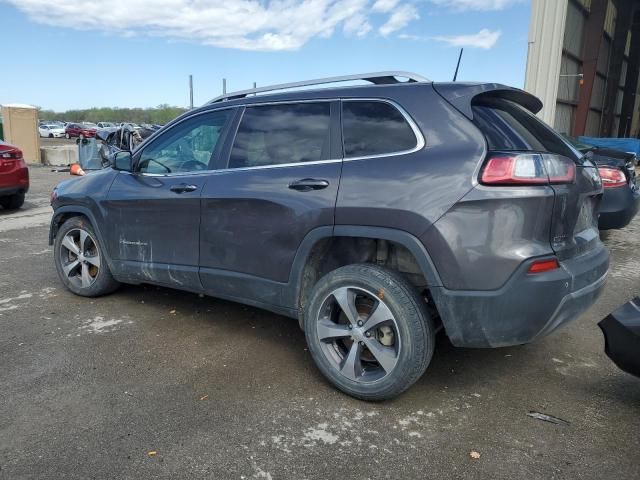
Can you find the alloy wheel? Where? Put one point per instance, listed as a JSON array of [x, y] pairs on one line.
[[80, 258], [358, 334]]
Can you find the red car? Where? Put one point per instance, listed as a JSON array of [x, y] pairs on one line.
[[14, 177], [77, 130]]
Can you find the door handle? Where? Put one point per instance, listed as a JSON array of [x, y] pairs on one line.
[[183, 187], [308, 184]]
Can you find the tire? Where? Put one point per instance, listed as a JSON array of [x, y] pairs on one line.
[[51, 135], [84, 272], [12, 202], [403, 343]]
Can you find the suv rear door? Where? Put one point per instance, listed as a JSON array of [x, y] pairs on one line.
[[280, 182], [510, 127]]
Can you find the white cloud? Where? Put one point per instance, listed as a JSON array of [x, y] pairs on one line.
[[242, 24], [462, 5], [357, 25], [399, 19], [483, 39], [384, 6]]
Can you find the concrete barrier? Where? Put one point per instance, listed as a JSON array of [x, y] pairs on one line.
[[59, 156]]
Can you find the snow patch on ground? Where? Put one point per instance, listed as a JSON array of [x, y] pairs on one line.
[[320, 433], [101, 325], [8, 304]]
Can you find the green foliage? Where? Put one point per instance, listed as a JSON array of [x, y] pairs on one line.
[[158, 115]]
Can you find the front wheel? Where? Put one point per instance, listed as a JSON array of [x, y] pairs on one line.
[[369, 331], [80, 260]]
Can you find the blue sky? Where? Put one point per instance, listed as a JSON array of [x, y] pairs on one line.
[[64, 54]]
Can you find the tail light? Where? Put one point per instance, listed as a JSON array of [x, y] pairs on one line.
[[7, 152], [527, 169], [612, 177]]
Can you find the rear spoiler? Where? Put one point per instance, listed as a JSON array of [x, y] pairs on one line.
[[461, 95]]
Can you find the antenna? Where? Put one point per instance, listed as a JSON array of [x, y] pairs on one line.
[[191, 92], [455, 75]]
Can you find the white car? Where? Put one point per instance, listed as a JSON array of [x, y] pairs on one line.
[[51, 131]]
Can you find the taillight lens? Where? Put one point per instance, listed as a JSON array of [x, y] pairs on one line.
[[10, 153], [527, 169], [612, 177]]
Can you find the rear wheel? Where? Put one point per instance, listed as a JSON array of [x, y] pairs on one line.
[[12, 202], [80, 261], [369, 331]]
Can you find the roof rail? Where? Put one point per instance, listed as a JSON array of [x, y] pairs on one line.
[[377, 78]]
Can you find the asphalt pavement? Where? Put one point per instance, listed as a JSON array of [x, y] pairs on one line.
[[154, 383]]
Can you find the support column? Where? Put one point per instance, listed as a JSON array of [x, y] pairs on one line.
[[623, 23], [631, 82], [593, 30], [546, 34]]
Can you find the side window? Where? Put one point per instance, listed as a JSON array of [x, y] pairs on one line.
[[279, 134], [187, 147], [374, 128]]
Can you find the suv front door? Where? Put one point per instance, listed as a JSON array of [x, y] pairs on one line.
[[154, 212], [280, 182]]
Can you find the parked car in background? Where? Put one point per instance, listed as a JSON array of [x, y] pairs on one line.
[[78, 130], [14, 177], [621, 197], [106, 125], [457, 210], [51, 131]]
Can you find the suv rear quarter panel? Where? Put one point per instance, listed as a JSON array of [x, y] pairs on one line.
[[483, 239]]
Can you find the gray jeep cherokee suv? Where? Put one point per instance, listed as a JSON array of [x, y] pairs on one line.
[[374, 214]]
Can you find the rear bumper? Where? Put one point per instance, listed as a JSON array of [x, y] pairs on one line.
[[14, 182], [527, 306], [618, 207], [7, 191]]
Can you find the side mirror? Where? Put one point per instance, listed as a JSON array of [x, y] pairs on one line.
[[123, 161]]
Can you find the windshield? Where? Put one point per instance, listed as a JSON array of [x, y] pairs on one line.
[[89, 125], [107, 124]]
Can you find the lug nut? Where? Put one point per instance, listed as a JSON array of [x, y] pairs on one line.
[[368, 334], [350, 327], [359, 323], [361, 343]]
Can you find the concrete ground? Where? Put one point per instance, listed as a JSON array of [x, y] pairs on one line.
[[92, 388]]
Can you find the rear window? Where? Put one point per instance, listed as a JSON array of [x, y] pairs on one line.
[[375, 128], [282, 134], [509, 127]]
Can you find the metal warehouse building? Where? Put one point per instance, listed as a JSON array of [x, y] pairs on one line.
[[583, 62]]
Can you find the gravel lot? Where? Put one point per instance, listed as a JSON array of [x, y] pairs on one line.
[[92, 388]]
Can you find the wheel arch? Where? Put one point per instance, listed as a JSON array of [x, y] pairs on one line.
[[63, 214], [315, 246]]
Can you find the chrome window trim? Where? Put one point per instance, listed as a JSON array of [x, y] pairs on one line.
[[420, 141], [241, 169]]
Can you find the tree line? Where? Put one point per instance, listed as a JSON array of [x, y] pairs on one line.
[[158, 115]]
